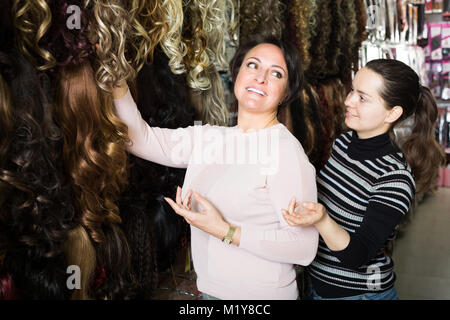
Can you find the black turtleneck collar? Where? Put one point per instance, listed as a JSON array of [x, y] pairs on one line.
[[371, 148]]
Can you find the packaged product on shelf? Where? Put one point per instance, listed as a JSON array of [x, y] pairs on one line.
[[428, 6], [445, 41], [435, 86], [445, 80], [438, 6], [434, 37]]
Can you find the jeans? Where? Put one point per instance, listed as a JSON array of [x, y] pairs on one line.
[[390, 294]]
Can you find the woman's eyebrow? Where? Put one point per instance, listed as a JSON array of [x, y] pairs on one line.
[[274, 65]]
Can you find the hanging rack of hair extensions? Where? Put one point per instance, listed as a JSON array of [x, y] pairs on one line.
[[94, 139], [36, 201]]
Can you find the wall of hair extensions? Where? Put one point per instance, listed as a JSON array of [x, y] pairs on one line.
[[70, 194]]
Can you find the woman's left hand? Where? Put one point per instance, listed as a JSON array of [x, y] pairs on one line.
[[310, 214], [209, 219]]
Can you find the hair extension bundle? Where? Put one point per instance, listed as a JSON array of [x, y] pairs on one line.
[[335, 39], [36, 203], [361, 33], [149, 25], [171, 42], [263, 17], [215, 26], [32, 19], [233, 21], [66, 45], [196, 59], [95, 157], [109, 28], [318, 67], [349, 39], [301, 15]]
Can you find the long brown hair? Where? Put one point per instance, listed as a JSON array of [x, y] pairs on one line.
[[401, 87]]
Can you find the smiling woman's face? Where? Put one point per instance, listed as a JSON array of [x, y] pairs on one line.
[[262, 79], [365, 109]]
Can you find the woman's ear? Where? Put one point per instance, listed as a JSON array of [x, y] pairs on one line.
[[394, 114]]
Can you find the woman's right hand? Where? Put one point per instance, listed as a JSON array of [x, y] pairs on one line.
[[120, 91]]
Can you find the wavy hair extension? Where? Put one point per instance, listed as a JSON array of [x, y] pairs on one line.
[[149, 25], [32, 20], [335, 41], [109, 28], [318, 67], [95, 156], [171, 42], [263, 17], [36, 203], [301, 13], [196, 59]]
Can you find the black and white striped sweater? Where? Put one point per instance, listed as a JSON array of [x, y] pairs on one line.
[[367, 187]]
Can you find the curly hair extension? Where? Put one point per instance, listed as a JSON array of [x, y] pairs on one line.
[[36, 204], [233, 22], [213, 108], [95, 156], [318, 67], [109, 28], [32, 20], [64, 44], [149, 25], [335, 40], [215, 26], [263, 17], [349, 39], [196, 59], [300, 15], [171, 42]]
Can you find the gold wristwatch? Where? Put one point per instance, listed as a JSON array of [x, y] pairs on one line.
[[229, 236]]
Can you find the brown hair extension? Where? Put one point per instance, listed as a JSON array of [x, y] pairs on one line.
[[149, 25], [6, 118], [335, 39], [318, 67], [94, 150], [32, 19], [263, 17], [348, 42], [361, 33], [109, 28], [301, 13], [81, 252]]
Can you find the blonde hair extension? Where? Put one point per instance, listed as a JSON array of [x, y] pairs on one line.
[[80, 252], [149, 25], [196, 59], [213, 110], [32, 19], [110, 28], [171, 42], [215, 26]]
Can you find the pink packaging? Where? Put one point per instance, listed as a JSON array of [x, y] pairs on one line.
[[434, 40]]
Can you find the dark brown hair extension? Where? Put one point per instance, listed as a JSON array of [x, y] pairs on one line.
[[348, 41], [336, 36], [361, 33], [318, 67], [261, 17]]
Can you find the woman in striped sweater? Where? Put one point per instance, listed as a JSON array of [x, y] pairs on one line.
[[369, 183]]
